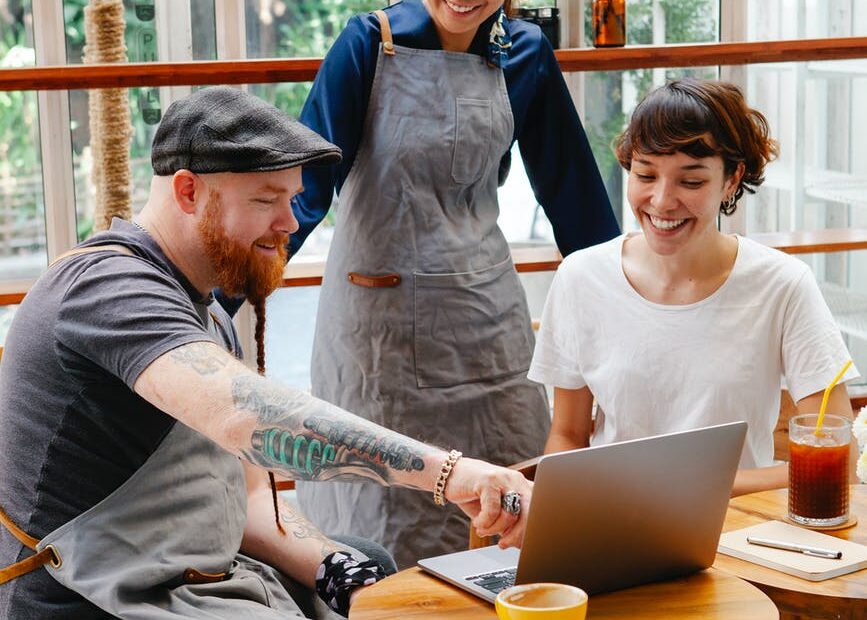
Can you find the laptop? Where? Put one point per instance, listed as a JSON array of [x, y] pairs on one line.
[[609, 517]]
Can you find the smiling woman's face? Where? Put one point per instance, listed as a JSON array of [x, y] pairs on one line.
[[458, 20], [676, 198]]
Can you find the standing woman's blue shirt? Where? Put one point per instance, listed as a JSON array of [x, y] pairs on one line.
[[554, 147]]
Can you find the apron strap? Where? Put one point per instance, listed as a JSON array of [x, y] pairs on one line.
[[24, 538], [387, 41], [94, 248], [30, 564]]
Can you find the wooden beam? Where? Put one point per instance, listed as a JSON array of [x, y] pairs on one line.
[[129, 75], [264, 71], [710, 54], [10, 299]]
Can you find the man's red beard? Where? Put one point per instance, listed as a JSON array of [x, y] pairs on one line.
[[240, 269]]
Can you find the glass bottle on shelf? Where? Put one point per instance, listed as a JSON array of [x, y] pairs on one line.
[[609, 23]]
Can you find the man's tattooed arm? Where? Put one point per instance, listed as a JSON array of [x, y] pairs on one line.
[[199, 356], [299, 528], [305, 438], [278, 428]]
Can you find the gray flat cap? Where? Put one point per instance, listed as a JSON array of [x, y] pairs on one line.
[[223, 129]]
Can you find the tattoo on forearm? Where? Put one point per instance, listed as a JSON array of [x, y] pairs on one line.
[[200, 357], [301, 529], [390, 451], [294, 440], [267, 403]]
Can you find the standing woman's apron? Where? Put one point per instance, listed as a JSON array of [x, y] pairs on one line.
[[423, 325]]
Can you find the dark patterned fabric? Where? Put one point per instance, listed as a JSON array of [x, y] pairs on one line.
[[339, 574]]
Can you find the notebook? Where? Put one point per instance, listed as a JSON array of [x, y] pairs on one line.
[[804, 566], [613, 516]]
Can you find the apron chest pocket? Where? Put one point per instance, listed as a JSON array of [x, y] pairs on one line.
[[470, 326], [473, 123]]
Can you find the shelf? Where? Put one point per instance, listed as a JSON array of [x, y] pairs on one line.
[[814, 241], [846, 189], [839, 68], [821, 184], [848, 307], [853, 67]]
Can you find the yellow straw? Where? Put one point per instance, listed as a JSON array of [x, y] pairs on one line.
[[827, 394]]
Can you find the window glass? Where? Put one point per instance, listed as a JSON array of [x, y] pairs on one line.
[[299, 29], [141, 37], [609, 98], [296, 29], [820, 178], [22, 206]]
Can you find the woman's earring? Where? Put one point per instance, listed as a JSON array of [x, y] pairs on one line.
[[729, 204]]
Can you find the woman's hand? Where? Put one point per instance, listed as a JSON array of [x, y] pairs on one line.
[[477, 488]]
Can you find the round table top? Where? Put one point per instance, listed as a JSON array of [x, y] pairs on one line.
[[414, 595], [759, 507]]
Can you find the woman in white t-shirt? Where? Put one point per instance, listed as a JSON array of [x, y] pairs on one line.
[[682, 326]]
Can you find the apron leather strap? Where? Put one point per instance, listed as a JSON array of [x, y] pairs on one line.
[[384, 281], [24, 538], [26, 565], [94, 248], [387, 41]]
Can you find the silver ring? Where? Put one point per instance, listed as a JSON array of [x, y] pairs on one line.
[[511, 502]]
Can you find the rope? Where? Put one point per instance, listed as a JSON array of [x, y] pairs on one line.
[[110, 125]]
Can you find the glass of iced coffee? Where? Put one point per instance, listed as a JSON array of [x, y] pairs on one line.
[[819, 470]]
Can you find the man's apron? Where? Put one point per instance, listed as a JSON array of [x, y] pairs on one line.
[[423, 324], [164, 545]]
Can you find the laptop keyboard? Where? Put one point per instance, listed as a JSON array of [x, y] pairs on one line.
[[495, 581]]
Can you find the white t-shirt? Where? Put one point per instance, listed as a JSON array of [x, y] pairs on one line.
[[657, 368]]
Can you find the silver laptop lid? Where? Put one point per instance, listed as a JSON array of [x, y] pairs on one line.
[[608, 517]]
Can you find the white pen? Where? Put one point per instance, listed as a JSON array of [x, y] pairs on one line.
[[787, 546]]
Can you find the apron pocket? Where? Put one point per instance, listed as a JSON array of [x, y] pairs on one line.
[[470, 326], [473, 123]]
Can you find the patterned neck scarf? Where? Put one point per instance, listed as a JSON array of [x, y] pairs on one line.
[[499, 41]]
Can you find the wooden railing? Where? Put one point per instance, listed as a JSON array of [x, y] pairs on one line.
[[128, 75]]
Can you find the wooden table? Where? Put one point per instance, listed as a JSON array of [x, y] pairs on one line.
[[843, 597], [414, 595]]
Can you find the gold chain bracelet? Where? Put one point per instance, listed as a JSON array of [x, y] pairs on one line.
[[445, 472]]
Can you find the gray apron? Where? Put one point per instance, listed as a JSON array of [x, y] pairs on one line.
[[164, 545], [423, 324]]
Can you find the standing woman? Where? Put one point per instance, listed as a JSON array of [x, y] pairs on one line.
[[423, 325]]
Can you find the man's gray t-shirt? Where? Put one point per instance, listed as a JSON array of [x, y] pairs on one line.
[[71, 428]]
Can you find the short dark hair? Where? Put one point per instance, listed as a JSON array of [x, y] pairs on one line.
[[701, 118]]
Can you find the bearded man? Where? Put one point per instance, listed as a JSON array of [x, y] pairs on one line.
[[135, 447]]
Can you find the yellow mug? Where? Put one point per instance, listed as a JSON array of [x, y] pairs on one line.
[[542, 601]]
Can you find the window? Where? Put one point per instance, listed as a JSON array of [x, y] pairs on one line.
[[22, 205], [820, 178]]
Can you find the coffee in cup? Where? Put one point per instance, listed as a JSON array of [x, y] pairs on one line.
[[542, 601]]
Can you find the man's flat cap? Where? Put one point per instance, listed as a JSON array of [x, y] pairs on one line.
[[223, 129]]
